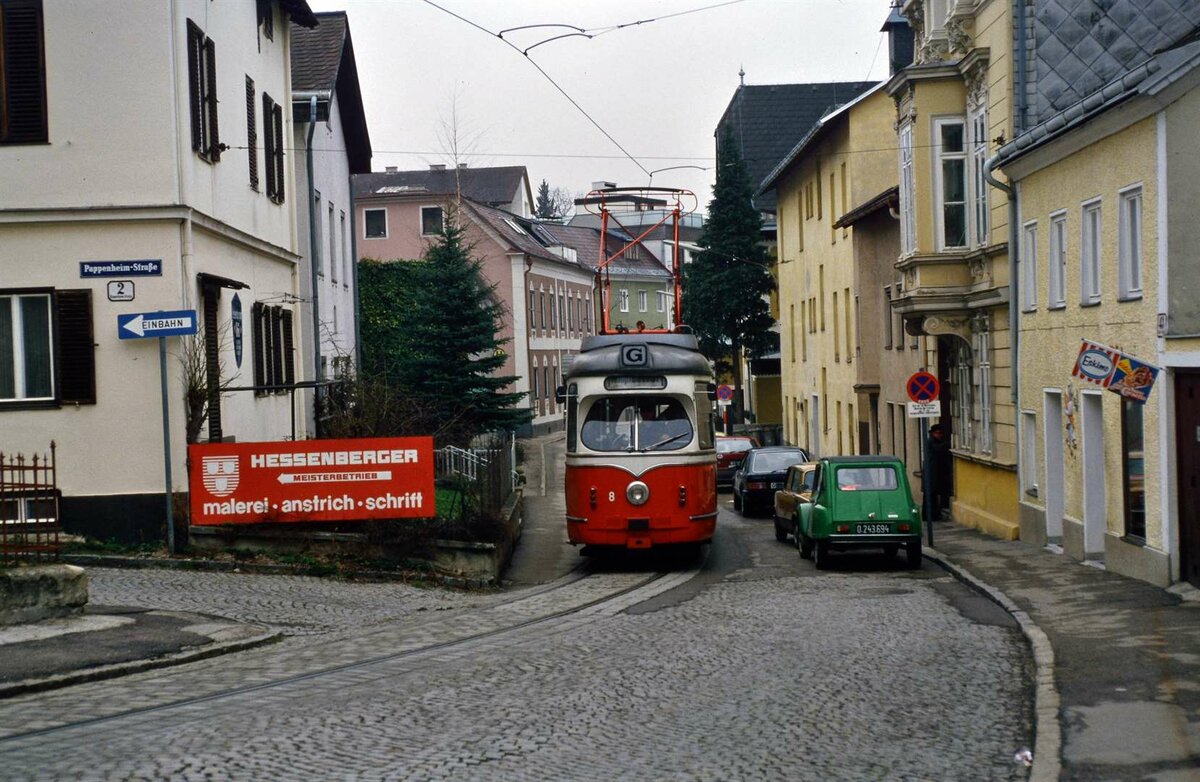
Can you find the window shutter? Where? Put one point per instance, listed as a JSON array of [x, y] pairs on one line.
[[289, 358], [269, 144], [260, 366], [251, 133], [23, 115], [278, 121], [276, 349], [214, 136], [194, 42], [212, 361], [76, 348]]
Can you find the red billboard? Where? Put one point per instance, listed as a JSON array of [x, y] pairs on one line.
[[312, 480]]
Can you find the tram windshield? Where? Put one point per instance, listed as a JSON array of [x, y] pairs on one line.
[[636, 423]]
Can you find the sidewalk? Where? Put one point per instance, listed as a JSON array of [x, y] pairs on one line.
[[1118, 690]]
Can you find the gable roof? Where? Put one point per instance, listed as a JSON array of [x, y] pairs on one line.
[[323, 62], [768, 120], [492, 186], [586, 241]]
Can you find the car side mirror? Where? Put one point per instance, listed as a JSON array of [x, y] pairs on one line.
[[560, 395]]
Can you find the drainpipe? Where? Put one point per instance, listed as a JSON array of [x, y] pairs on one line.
[[312, 254], [354, 279], [1014, 269]]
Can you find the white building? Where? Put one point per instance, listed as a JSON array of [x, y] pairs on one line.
[[151, 133]]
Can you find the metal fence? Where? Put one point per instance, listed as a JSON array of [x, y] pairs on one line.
[[29, 503], [485, 473]]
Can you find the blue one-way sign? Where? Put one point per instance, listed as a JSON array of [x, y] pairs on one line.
[[157, 324]]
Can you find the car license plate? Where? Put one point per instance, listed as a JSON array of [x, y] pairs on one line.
[[777, 485], [872, 529]]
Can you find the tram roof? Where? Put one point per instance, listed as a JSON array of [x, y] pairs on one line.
[[665, 354]]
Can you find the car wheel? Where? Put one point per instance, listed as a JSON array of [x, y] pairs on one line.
[[912, 552], [804, 544], [780, 532], [820, 554], [737, 500], [890, 550]]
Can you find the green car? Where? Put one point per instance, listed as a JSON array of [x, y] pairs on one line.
[[859, 502]]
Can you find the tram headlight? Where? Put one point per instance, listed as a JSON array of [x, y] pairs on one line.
[[637, 493]]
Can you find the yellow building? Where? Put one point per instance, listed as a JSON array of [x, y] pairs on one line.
[[953, 260], [1106, 184]]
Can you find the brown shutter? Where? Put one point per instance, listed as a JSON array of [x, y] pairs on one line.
[[269, 144], [260, 366], [276, 331], [23, 73], [212, 361], [196, 102], [251, 133], [214, 135], [289, 358], [76, 348]]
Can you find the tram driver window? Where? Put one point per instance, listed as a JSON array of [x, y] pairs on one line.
[[636, 423]]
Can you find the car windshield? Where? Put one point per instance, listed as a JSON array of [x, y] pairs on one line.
[[774, 461], [636, 423], [730, 445], [866, 478]]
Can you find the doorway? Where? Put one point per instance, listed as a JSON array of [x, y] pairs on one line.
[[1187, 446], [1095, 505], [1054, 482]]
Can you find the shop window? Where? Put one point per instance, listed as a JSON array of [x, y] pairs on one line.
[[1133, 468]]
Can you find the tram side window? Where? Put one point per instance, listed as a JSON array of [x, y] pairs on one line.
[[641, 423], [705, 416], [572, 402]]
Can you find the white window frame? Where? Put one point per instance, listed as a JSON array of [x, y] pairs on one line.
[[1130, 254], [978, 144], [334, 261], [661, 304], [1029, 266], [19, 344], [385, 223], [908, 217], [422, 216], [643, 301], [983, 362], [623, 300], [940, 159], [1057, 261], [319, 239], [1091, 244]]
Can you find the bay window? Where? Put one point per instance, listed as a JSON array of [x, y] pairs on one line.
[[951, 185]]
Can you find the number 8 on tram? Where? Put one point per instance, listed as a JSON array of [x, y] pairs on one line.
[[640, 463]]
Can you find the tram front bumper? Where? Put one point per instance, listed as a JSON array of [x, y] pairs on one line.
[[640, 533]]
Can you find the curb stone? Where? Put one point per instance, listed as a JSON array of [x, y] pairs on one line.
[[1047, 749], [136, 666]]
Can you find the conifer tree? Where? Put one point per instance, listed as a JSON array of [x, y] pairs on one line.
[[726, 286]]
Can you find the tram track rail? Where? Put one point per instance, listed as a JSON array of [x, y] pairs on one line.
[[552, 621]]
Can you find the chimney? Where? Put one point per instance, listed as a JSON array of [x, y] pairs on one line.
[[390, 169], [462, 165], [900, 40], [602, 185], [437, 166]]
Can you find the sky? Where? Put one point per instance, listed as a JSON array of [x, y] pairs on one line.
[[432, 82]]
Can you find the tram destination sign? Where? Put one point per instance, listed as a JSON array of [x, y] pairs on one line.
[[314, 480], [148, 267]]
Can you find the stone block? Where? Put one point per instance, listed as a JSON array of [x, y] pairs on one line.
[[31, 594]]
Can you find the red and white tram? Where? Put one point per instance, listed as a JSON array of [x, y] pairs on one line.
[[640, 460]]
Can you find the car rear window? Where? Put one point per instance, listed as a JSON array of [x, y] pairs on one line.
[[729, 445], [775, 461], [866, 478]]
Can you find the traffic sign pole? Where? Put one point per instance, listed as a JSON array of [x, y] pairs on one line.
[[166, 421], [926, 495]]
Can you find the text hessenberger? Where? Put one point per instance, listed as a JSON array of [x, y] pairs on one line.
[[331, 458]]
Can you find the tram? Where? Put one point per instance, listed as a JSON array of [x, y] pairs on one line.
[[641, 469]]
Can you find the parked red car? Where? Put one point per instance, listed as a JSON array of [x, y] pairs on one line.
[[730, 453]]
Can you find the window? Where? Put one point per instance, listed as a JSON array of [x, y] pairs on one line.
[[951, 185], [273, 148], [334, 261], [554, 309], [1133, 468], [1089, 255], [202, 92], [1058, 261], [1029, 464], [661, 304], [532, 308], [837, 333], [266, 19], [642, 301], [792, 331], [1129, 257], [623, 300], [345, 254], [22, 73], [274, 360], [46, 350], [638, 423], [431, 220], [908, 215], [252, 133], [1029, 267], [887, 317], [375, 221], [542, 309], [318, 234], [846, 315], [821, 292], [979, 184]]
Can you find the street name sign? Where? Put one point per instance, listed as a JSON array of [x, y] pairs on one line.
[[150, 267], [174, 323]]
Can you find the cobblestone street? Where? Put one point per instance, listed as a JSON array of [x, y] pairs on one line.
[[749, 666]]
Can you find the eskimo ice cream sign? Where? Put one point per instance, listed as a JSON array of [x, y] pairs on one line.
[[1115, 370], [318, 480]]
